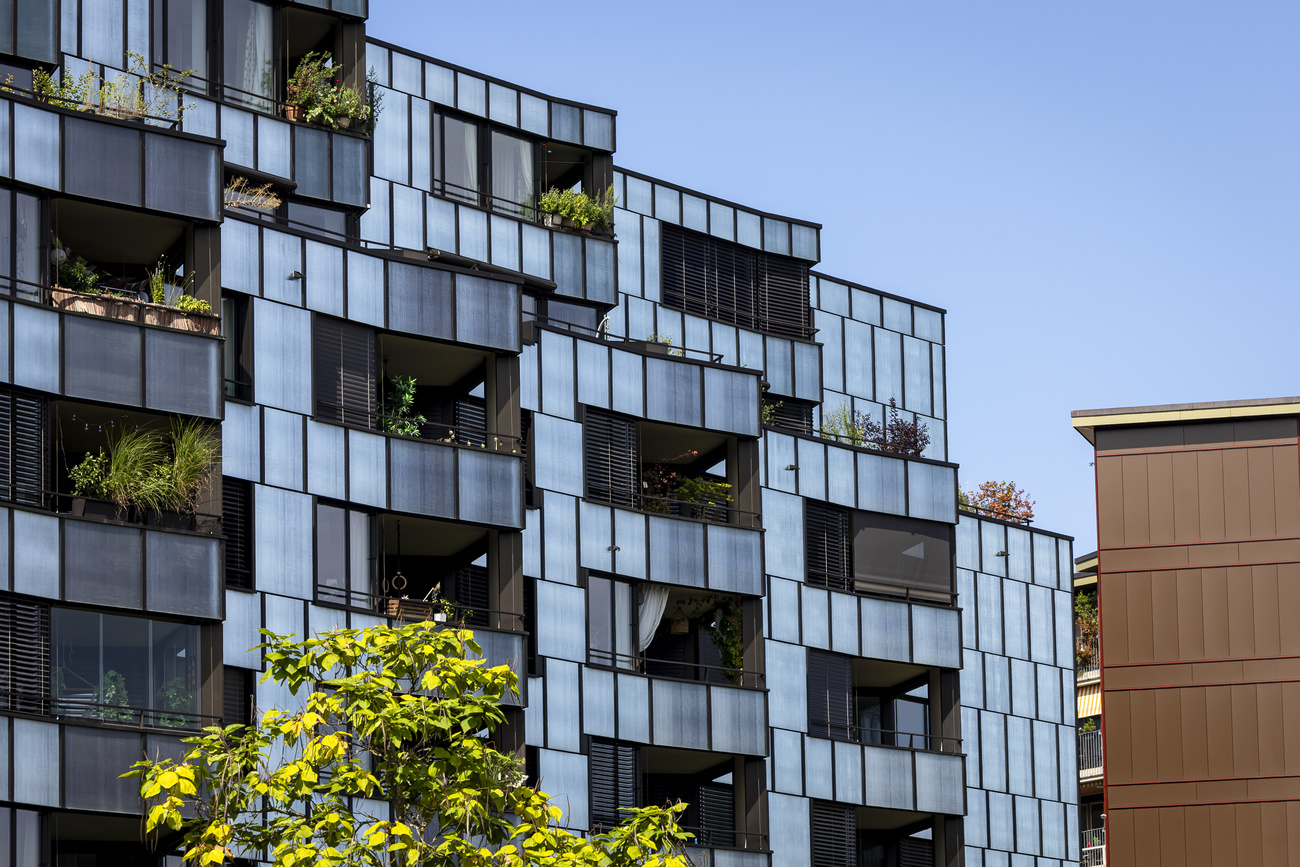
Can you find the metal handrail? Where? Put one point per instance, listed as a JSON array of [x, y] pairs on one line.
[[743, 678], [73, 707], [1090, 750], [449, 434], [709, 513], [1094, 658], [717, 838], [603, 334], [392, 606], [205, 522], [877, 737], [1092, 847], [875, 587]]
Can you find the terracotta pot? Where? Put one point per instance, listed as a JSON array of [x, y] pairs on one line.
[[293, 113], [345, 123]]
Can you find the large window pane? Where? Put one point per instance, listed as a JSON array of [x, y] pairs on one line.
[[459, 160], [901, 552], [181, 34], [248, 74], [512, 175], [331, 558]]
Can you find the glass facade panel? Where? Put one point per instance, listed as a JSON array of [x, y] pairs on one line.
[[566, 121], [598, 130], [439, 84], [102, 564], [419, 300], [532, 114], [668, 204], [181, 176], [183, 575], [471, 94], [182, 373], [311, 148], [101, 360], [473, 233], [695, 213], [95, 759], [36, 137], [349, 170], [103, 161]]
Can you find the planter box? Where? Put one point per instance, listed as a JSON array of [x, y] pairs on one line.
[[98, 509], [169, 520], [135, 311], [413, 611]]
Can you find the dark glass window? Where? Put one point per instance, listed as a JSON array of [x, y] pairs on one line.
[[248, 65], [237, 696], [344, 359], [612, 625], [180, 35], [345, 539], [891, 552], [456, 158], [21, 244], [610, 458], [124, 669], [236, 327], [329, 222]]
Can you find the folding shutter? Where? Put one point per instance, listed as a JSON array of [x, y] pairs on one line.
[[830, 695], [828, 553], [915, 852], [615, 781], [610, 458], [783, 296], [236, 696], [236, 524], [472, 594], [833, 837], [715, 809], [25, 656], [346, 388]]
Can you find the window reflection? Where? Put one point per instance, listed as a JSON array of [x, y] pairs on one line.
[[248, 73], [180, 29]]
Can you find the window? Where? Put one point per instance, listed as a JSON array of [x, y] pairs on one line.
[[238, 696], [21, 244], [731, 283], [611, 613], [867, 552], [834, 829], [23, 434], [868, 701], [124, 669], [236, 327], [455, 158], [531, 500], [345, 372], [840, 840], [248, 39], [344, 564], [513, 188], [180, 35], [891, 553], [790, 413], [237, 527]]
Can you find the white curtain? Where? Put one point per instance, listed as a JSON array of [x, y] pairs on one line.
[[653, 602]]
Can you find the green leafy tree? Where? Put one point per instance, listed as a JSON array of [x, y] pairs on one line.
[[396, 714]]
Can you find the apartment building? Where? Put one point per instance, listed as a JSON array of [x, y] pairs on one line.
[[1087, 663], [1198, 511], [606, 450]]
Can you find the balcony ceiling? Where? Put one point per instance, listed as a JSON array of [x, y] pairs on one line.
[[112, 236]]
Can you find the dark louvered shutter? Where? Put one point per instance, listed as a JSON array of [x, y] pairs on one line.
[[237, 526], [830, 695], [615, 780], [345, 372], [610, 458], [715, 809], [733, 299], [685, 270], [525, 438], [915, 852], [22, 448], [236, 696], [25, 656], [470, 420], [789, 413], [472, 595], [783, 296], [828, 552], [833, 833]]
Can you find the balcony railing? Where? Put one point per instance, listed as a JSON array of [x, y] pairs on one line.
[[429, 431], [1092, 847], [1090, 757], [698, 672], [884, 737], [1087, 657]]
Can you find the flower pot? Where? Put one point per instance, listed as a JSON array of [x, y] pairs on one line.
[[345, 123], [293, 113], [99, 510], [554, 221]]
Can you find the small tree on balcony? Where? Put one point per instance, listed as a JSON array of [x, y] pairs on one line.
[[999, 499], [1087, 632], [394, 714]]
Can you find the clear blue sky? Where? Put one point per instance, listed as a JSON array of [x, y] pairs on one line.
[[1104, 196]]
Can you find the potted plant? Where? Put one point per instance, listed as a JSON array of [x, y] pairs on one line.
[[174, 696], [184, 472], [120, 478], [350, 107], [307, 85], [173, 306], [111, 696]]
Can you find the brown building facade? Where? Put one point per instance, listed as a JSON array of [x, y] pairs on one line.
[[1198, 532]]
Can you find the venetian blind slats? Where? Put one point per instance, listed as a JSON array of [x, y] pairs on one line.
[[236, 525], [833, 833], [345, 372], [610, 462], [22, 448], [731, 283], [25, 656], [715, 808], [830, 695], [615, 781], [828, 550], [915, 852]]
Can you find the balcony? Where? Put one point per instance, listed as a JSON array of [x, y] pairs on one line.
[[1090, 758], [1087, 659], [112, 160], [1092, 847]]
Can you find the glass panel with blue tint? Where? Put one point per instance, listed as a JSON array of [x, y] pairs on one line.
[[865, 306], [916, 369], [600, 271], [103, 564], [536, 251], [473, 234], [273, 147], [568, 264], [776, 236], [181, 176], [439, 84], [505, 242], [392, 141], [311, 149], [406, 73], [805, 242], [722, 221], [102, 360], [695, 213], [889, 364], [36, 139], [471, 94], [532, 113], [638, 196], [183, 576], [503, 106], [566, 122], [668, 204], [898, 315], [349, 170], [102, 162], [598, 130], [408, 218], [182, 373]]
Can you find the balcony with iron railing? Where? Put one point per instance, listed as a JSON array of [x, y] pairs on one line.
[[1090, 757], [1087, 658]]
